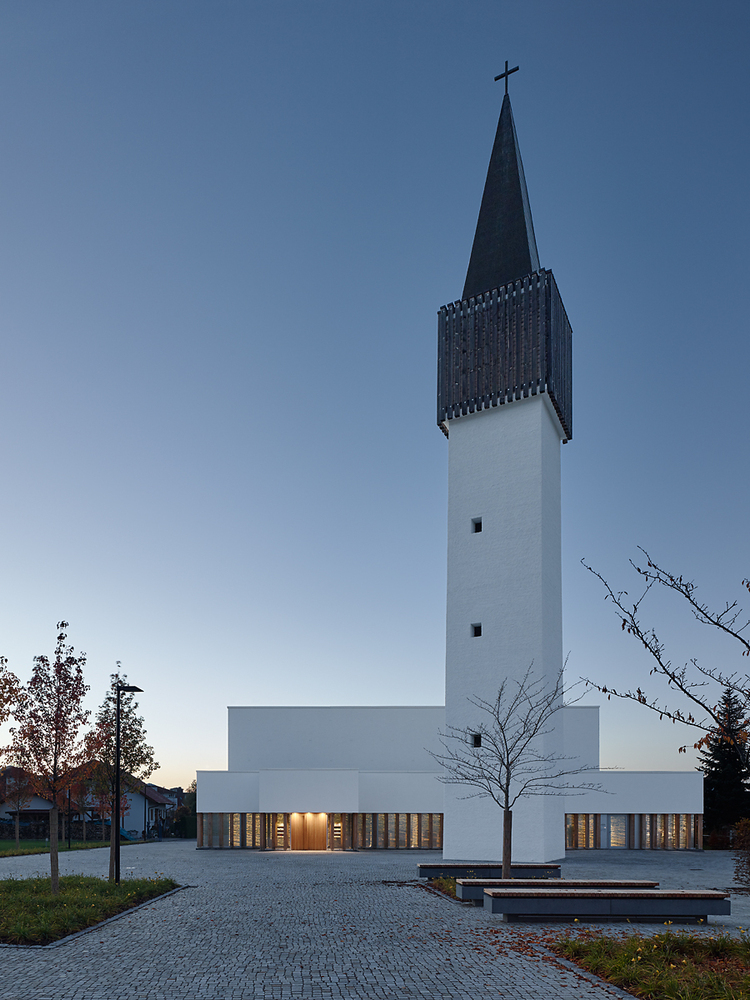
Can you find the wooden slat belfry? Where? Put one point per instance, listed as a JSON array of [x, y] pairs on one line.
[[506, 344]]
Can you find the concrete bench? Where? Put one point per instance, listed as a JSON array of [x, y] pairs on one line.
[[605, 905], [473, 888], [486, 870]]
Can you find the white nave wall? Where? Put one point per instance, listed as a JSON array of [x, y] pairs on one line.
[[325, 780]]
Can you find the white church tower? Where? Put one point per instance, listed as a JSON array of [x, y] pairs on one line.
[[504, 402]]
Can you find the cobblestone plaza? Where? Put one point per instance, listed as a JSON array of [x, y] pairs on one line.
[[318, 925]]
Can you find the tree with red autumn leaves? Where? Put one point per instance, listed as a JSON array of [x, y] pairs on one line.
[[137, 762], [50, 730], [16, 784], [10, 689]]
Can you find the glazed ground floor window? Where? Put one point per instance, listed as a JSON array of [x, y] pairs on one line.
[[309, 831], [634, 831]]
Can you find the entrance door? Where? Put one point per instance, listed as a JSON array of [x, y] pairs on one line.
[[309, 831]]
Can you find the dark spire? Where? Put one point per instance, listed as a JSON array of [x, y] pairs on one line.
[[504, 244]]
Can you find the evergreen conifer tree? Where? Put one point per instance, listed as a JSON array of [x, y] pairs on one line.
[[726, 798]]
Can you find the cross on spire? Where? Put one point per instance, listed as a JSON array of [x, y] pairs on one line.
[[506, 74]]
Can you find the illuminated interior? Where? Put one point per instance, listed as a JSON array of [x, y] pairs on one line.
[[645, 831], [319, 831]]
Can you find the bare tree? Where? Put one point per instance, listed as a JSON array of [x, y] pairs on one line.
[[502, 755], [700, 686]]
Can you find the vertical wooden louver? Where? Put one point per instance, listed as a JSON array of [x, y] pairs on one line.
[[506, 344]]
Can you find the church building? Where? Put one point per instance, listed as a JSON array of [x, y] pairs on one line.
[[367, 777]]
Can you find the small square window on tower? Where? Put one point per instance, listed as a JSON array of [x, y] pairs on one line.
[[476, 629], [476, 739], [476, 524]]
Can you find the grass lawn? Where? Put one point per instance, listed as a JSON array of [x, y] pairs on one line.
[[30, 914], [8, 847], [670, 965]]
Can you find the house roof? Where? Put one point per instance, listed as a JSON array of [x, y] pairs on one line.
[[152, 794]]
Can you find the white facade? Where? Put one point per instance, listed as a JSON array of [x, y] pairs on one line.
[[363, 738], [34, 805], [657, 792], [504, 467], [331, 760], [377, 760]]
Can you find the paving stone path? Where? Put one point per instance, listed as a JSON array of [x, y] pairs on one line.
[[282, 925]]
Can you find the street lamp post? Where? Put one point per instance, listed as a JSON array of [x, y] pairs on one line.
[[116, 811]]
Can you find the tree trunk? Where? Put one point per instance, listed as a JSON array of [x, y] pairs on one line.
[[54, 865], [18, 829], [507, 838], [84, 826]]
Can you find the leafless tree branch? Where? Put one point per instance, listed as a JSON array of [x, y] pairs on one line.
[[509, 763], [691, 680]]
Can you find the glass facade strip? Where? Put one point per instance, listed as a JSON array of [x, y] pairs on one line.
[[682, 830], [583, 829], [635, 831], [382, 839], [413, 830], [391, 838], [618, 831], [571, 840], [424, 831]]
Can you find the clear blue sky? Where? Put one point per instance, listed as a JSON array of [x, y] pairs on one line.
[[226, 228]]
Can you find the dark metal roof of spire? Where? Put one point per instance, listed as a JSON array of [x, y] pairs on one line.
[[504, 244]]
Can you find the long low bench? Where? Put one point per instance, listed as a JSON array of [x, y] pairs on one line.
[[600, 905], [486, 870], [473, 888]]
